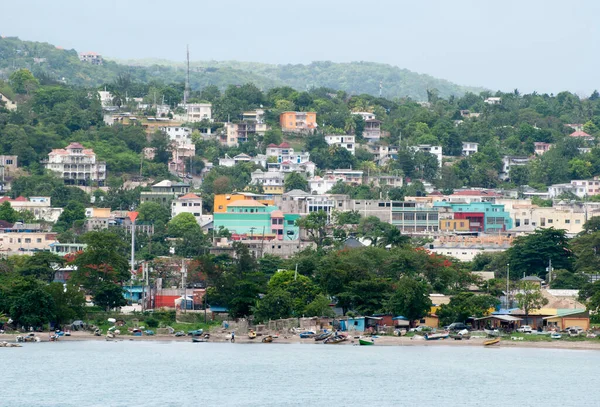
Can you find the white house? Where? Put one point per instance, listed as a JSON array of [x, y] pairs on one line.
[[284, 152], [344, 141], [9, 104], [321, 185], [182, 136], [76, 165], [190, 203], [227, 161], [195, 112], [509, 161], [493, 101], [271, 181], [469, 148]]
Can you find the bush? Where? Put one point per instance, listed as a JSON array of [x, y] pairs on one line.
[[152, 323]]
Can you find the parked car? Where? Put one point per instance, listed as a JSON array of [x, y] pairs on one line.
[[421, 328], [456, 326], [179, 333], [574, 328], [525, 329]]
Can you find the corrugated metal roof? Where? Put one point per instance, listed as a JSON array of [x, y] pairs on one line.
[[505, 318]]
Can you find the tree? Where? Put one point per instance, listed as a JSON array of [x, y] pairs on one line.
[[315, 225], [22, 81], [369, 296], [162, 145], [410, 299], [69, 302], [530, 254], [104, 261], [530, 298], [302, 290], [73, 212], [276, 304], [295, 180], [109, 295], [319, 307], [42, 266], [7, 213], [466, 305], [564, 279], [153, 212], [182, 224]]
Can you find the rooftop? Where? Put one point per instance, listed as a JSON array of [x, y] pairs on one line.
[[247, 203]]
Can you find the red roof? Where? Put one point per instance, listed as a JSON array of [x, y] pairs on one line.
[[284, 145], [20, 199], [436, 193], [579, 134], [190, 196], [272, 145], [73, 145]]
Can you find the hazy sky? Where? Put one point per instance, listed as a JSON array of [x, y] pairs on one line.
[[543, 45]]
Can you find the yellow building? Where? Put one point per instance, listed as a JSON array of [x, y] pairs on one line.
[[454, 225], [222, 200], [298, 121]]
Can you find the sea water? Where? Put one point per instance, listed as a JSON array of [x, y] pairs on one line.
[[149, 373]]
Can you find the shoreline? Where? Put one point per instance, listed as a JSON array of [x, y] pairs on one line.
[[294, 339]]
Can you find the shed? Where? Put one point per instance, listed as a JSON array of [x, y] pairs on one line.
[[566, 318], [508, 322], [401, 322], [360, 324]]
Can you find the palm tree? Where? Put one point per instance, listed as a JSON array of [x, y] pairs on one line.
[[392, 237]]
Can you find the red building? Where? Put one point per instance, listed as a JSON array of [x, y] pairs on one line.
[[476, 220]]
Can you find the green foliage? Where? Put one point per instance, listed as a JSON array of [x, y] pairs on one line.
[[530, 254], [23, 81], [7, 213], [530, 298], [466, 305], [315, 225], [295, 180], [410, 299], [183, 224]]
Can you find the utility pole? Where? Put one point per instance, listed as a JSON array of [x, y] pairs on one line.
[[183, 274], [507, 282], [549, 270]]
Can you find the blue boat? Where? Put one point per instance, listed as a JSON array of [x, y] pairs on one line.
[[307, 334], [435, 337]]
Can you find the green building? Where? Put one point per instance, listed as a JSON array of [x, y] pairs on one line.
[[250, 219]]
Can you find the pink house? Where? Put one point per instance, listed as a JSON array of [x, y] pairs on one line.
[[277, 224]]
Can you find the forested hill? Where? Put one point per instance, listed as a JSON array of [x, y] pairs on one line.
[[44, 59]]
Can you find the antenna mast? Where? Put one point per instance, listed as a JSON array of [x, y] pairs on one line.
[[186, 92]]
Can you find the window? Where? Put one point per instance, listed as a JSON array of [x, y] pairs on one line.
[[526, 221], [184, 204], [27, 240], [550, 221], [273, 221], [567, 220], [577, 221], [274, 231], [462, 224], [196, 214], [38, 240]]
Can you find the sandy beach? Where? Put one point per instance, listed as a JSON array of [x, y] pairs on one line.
[[295, 339]]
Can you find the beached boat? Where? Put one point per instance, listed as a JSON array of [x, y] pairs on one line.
[[365, 342], [492, 332], [323, 336], [196, 339], [435, 337], [555, 335], [267, 339], [28, 338], [458, 337], [491, 342], [307, 334], [251, 335], [335, 339]]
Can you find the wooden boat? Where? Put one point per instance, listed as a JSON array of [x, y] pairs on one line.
[[491, 342], [323, 336], [267, 339], [435, 337], [251, 335], [335, 339], [555, 335], [365, 342], [307, 334], [196, 339]]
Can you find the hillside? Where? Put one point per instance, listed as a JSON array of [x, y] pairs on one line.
[[354, 77]]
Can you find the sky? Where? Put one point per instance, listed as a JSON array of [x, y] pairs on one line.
[[533, 45]]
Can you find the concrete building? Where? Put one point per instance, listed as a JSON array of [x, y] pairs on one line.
[[541, 148], [465, 248], [509, 161], [8, 104], [221, 201], [382, 153], [181, 136], [251, 219], [348, 176], [372, 131], [228, 161], [343, 141], [272, 182], [393, 181], [40, 206], [23, 238], [582, 135], [414, 217], [321, 185], [188, 203], [91, 58], [493, 101], [8, 166], [482, 216], [76, 165], [164, 192], [469, 148], [236, 133], [284, 152], [298, 122], [195, 112]]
